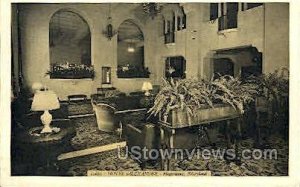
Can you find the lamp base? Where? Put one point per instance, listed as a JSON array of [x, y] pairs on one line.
[[46, 119], [147, 93], [46, 129]]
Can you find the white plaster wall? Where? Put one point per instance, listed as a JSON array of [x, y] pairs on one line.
[[34, 26], [260, 27], [276, 53], [186, 41], [250, 31], [267, 32]]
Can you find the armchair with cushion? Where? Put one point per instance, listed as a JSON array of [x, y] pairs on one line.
[[105, 115], [106, 110], [142, 135]]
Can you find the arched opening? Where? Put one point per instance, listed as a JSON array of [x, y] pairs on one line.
[[70, 46], [242, 61], [131, 51], [223, 66]]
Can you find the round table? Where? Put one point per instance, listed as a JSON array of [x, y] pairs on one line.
[[42, 149]]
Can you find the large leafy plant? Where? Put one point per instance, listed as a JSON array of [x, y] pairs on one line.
[[274, 85], [185, 94], [233, 91], [189, 95]]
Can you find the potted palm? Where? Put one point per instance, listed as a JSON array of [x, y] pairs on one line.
[[188, 102]]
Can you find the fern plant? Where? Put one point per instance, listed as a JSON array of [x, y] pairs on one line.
[[189, 95], [232, 91], [273, 85]]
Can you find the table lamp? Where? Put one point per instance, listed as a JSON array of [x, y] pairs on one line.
[[45, 101], [36, 86], [146, 87]]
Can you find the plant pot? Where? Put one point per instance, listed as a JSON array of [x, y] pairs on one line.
[[179, 118]]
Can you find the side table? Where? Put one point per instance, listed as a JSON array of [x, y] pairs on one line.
[[42, 149]]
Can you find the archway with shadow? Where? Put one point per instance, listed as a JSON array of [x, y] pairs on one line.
[[240, 61], [131, 51], [69, 45]]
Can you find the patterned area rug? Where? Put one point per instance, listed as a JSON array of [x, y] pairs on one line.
[[75, 109], [89, 136], [248, 167]]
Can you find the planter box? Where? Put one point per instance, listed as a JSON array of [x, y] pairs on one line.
[[179, 118], [77, 76]]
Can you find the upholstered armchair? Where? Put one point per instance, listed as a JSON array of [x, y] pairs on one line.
[[106, 118]]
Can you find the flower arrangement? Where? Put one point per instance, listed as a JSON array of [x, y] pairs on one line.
[[71, 71]]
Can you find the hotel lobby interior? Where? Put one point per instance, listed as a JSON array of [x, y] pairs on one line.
[[114, 86]]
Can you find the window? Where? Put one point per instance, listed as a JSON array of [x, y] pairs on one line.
[[181, 20], [70, 46], [131, 51], [213, 11], [229, 15], [226, 13], [170, 30], [246, 6], [183, 23], [178, 23], [175, 67]]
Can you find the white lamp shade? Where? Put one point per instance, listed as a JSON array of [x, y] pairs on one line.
[[45, 100], [147, 86], [36, 86]]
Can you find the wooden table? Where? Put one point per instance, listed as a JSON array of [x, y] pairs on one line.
[[169, 143]]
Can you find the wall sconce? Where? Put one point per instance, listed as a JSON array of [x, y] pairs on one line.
[[109, 32]]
